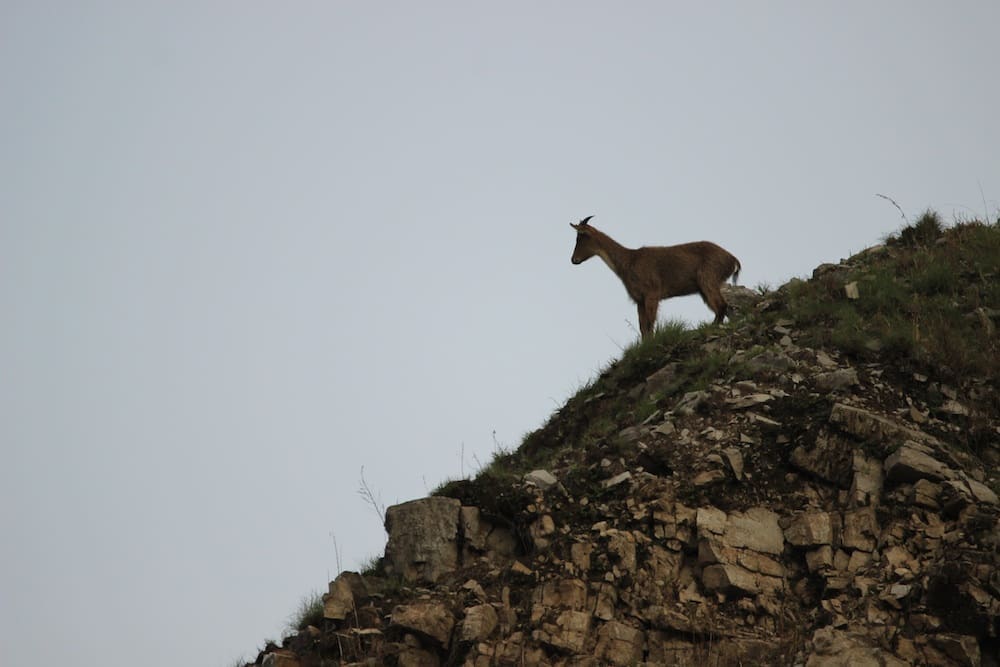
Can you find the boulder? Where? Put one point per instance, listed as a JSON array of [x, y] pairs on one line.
[[837, 648], [280, 658], [479, 623], [412, 656], [831, 457], [605, 599], [710, 520], [770, 362], [725, 578], [422, 544], [837, 380], [559, 594], [741, 300], [958, 493], [734, 458], [866, 485], [961, 648], [811, 529], [543, 479], [482, 538], [926, 494], [820, 560], [621, 548], [914, 461], [619, 644], [540, 530], [339, 602], [620, 478], [691, 402], [428, 619], [569, 633], [860, 529], [870, 427], [755, 529]]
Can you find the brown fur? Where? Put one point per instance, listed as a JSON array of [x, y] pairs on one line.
[[654, 273]]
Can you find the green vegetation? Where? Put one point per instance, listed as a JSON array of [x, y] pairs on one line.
[[309, 612], [589, 423], [925, 230], [926, 302], [648, 355], [596, 411], [371, 566], [906, 330], [917, 305]]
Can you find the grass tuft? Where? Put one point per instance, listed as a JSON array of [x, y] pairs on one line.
[[924, 231], [309, 612], [371, 566]]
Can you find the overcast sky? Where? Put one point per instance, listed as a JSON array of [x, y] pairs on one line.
[[247, 248]]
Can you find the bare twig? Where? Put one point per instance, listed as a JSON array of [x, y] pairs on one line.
[[631, 326], [499, 449], [898, 208], [337, 554], [615, 343], [986, 209], [369, 496]]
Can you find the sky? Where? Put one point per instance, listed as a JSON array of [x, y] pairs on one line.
[[251, 249]]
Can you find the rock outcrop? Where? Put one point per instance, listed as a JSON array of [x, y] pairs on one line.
[[799, 507]]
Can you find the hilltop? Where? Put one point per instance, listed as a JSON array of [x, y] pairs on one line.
[[814, 482]]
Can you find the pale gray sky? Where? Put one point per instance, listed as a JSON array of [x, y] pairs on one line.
[[247, 248]]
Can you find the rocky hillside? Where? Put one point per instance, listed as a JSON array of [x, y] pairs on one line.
[[813, 483]]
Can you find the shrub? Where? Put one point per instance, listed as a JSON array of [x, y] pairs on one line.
[[924, 231]]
